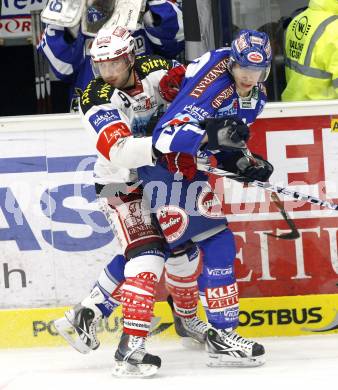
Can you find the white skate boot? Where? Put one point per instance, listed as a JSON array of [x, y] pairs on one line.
[[230, 349], [78, 326]]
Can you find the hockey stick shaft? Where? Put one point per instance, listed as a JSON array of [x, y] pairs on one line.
[[270, 187], [44, 68], [37, 25], [36, 64]]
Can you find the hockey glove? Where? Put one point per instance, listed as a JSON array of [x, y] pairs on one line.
[[261, 170], [226, 133], [170, 83], [183, 163]]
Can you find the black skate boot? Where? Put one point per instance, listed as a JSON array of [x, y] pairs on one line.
[[230, 349], [192, 330], [132, 360], [78, 326]]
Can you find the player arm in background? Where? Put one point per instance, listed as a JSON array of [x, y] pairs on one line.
[[164, 28], [63, 52]]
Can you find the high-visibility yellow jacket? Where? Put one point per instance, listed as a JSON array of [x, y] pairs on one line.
[[311, 53]]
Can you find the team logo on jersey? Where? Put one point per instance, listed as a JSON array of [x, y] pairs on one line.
[[209, 205], [154, 64], [144, 105], [103, 117], [196, 112], [255, 57], [209, 78], [225, 94], [231, 109], [173, 221]]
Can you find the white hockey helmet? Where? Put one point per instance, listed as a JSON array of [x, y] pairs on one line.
[[112, 43]]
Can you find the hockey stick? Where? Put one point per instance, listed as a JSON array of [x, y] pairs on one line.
[[44, 66], [270, 187], [294, 233], [36, 63]]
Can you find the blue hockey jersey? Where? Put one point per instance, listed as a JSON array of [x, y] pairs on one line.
[[69, 57], [208, 91], [187, 209]]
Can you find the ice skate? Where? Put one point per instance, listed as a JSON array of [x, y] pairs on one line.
[[228, 349], [78, 326], [132, 360], [193, 331]]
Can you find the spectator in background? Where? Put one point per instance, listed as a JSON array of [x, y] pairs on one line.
[[276, 81], [311, 50], [67, 50]]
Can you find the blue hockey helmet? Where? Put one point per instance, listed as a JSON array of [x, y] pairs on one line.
[[251, 49]]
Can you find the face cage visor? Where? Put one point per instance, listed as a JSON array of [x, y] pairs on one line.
[[110, 68], [264, 71]]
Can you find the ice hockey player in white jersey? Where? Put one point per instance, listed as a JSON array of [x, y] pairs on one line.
[[117, 107]]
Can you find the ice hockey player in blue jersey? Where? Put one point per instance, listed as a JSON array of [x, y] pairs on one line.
[[243, 352], [221, 96], [68, 50]]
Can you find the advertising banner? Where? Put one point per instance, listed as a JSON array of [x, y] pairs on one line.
[[258, 317], [54, 241], [15, 20], [303, 151]]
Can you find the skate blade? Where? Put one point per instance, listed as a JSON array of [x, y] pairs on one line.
[[64, 327], [190, 343], [220, 360], [125, 369]]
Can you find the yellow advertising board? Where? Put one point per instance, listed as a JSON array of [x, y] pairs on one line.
[[259, 317]]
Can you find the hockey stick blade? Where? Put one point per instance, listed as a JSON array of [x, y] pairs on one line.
[[294, 234]]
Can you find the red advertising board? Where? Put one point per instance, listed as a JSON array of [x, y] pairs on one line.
[[17, 26], [304, 152]]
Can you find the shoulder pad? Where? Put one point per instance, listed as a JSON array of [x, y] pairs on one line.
[[97, 92], [147, 64]]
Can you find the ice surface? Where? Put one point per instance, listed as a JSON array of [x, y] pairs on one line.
[[304, 362]]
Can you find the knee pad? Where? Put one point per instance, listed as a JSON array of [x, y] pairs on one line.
[[184, 266], [151, 261]]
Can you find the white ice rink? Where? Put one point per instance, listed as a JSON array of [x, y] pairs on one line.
[[297, 363]]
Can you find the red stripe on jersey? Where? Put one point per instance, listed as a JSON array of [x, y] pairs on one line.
[[110, 136]]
